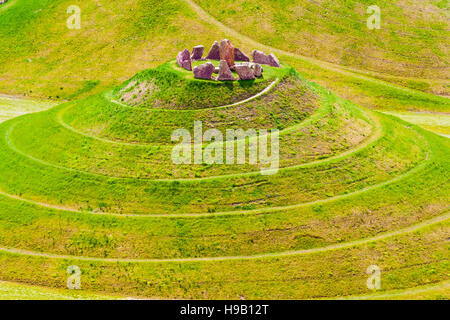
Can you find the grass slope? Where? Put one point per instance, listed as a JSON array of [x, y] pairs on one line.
[[411, 41], [439, 291], [15, 291], [378, 200], [148, 36], [97, 187], [11, 107]]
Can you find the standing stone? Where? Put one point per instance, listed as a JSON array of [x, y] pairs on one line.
[[197, 53], [245, 72], [185, 55], [273, 61], [257, 70], [240, 56], [187, 65], [225, 72], [184, 59], [204, 71], [214, 52], [227, 52], [260, 57]]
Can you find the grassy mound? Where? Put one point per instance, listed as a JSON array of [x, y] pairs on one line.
[[98, 189], [288, 102], [91, 182], [171, 87]]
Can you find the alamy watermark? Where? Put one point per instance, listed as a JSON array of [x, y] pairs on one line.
[[74, 279], [374, 281], [234, 149], [74, 20], [374, 21]]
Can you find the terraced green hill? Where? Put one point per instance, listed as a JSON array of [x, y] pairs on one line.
[[91, 183]]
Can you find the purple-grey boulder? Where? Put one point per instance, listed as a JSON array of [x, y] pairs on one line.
[[244, 72], [225, 72], [184, 59], [260, 57], [204, 71], [273, 61], [240, 56], [197, 53], [214, 52], [257, 70]]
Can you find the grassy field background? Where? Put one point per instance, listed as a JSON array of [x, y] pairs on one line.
[[114, 44]]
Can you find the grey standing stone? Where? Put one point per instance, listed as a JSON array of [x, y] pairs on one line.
[[240, 56], [184, 59], [273, 61], [214, 52], [257, 70], [204, 71], [187, 65], [245, 72], [197, 52], [225, 72], [260, 57]]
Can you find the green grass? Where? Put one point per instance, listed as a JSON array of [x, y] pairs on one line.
[[15, 291], [439, 291], [90, 182], [112, 45], [183, 195], [175, 88], [398, 196], [11, 107], [135, 41], [289, 103], [439, 123], [423, 260], [334, 128], [408, 44]]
